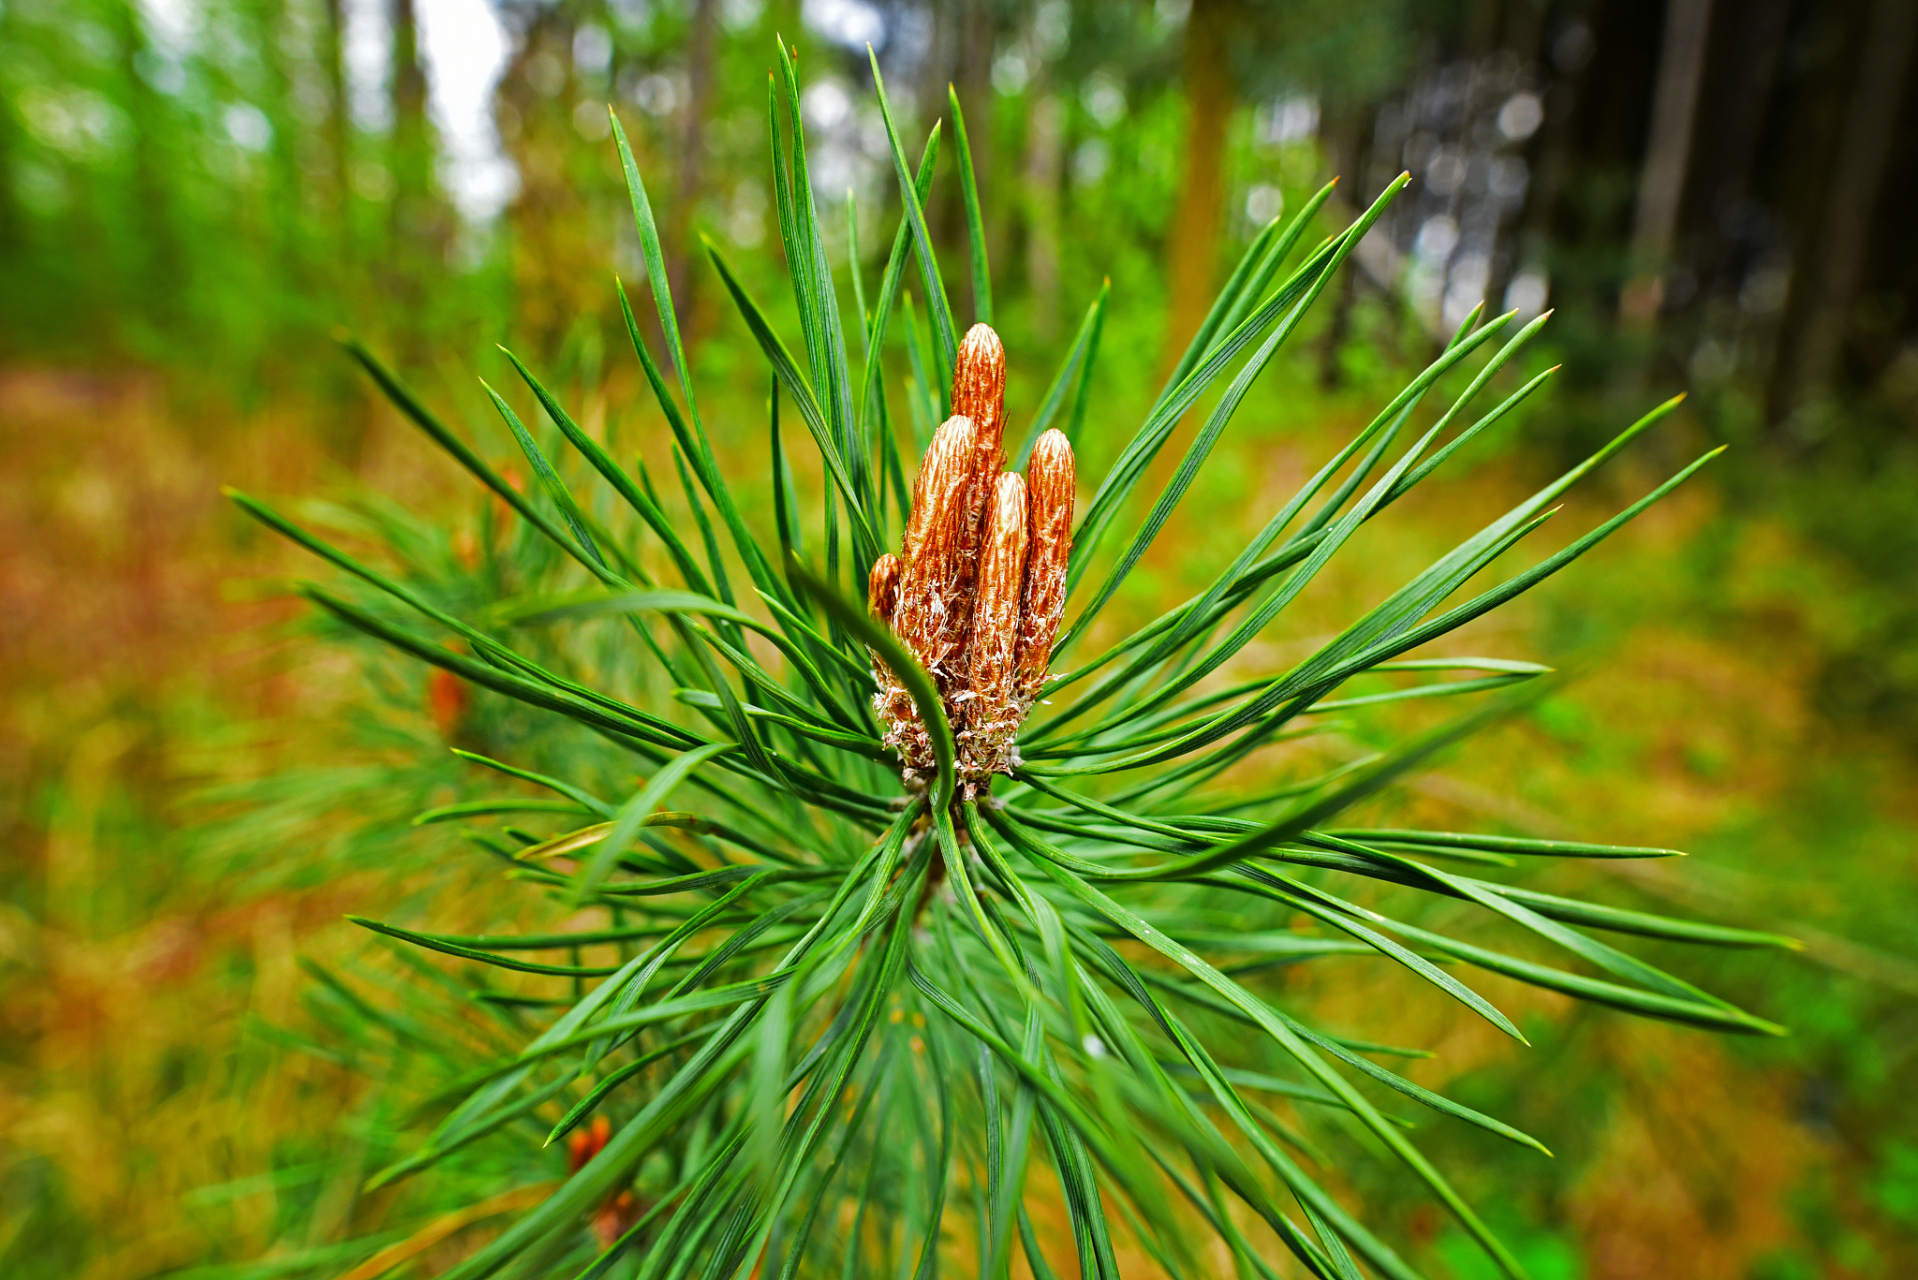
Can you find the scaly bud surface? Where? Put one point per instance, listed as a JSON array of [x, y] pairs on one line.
[[935, 588], [1051, 478], [979, 392], [882, 587], [990, 713], [934, 601], [946, 470]]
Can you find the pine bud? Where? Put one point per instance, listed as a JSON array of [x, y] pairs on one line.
[[934, 604], [980, 582], [979, 392], [1050, 481], [991, 714]]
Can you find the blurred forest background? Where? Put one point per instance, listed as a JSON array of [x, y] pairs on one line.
[[195, 193]]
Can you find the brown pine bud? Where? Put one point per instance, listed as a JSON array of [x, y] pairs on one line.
[[934, 604], [1050, 481], [979, 393], [882, 587], [989, 710], [978, 588]]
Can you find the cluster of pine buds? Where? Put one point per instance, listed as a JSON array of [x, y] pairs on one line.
[[977, 589]]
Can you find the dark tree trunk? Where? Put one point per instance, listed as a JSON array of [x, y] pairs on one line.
[[1732, 120], [1832, 272], [558, 274], [1668, 149], [417, 228], [411, 155], [1349, 139]]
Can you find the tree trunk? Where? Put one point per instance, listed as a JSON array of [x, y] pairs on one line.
[[418, 231], [558, 274], [1044, 166], [1733, 133], [1193, 250], [1834, 269], [1661, 184], [1349, 140], [411, 154]]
